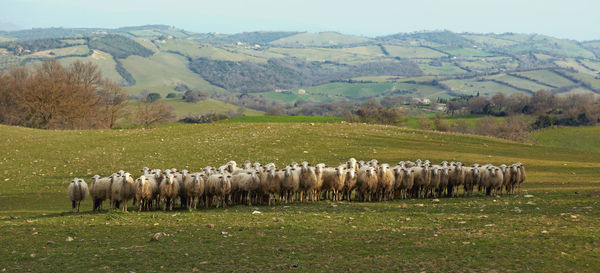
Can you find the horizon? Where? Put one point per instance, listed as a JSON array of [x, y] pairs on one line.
[[575, 20]]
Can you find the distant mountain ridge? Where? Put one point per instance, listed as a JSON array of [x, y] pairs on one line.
[[325, 66]]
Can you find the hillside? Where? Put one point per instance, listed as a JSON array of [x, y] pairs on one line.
[[438, 64], [559, 218]]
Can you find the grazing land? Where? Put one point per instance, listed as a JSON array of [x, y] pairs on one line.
[[554, 228]]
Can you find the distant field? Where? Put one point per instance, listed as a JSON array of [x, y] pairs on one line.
[[548, 77], [165, 69], [58, 52], [282, 119], [465, 51], [446, 68], [319, 39], [471, 87], [490, 41], [413, 52], [182, 109], [582, 139], [103, 60], [521, 83], [207, 106], [194, 49]]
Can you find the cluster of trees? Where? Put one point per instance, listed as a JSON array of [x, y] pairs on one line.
[[19, 47], [287, 73], [51, 96], [118, 46], [550, 109]]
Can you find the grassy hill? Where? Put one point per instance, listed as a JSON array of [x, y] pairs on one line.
[[158, 57], [560, 219]]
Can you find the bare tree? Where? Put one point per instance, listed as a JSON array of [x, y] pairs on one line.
[[114, 100], [150, 113]]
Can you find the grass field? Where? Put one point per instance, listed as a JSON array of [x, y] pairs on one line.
[[319, 39], [103, 60], [164, 69], [472, 86], [182, 109], [547, 76], [555, 230]]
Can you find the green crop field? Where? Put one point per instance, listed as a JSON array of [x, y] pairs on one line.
[[194, 49], [555, 229], [521, 83], [58, 52], [582, 139], [471, 87], [319, 39], [413, 52], [164, 69], [205, 107], [547, 77], [105, 62]]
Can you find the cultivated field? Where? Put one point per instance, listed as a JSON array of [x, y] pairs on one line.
[[555, 230]]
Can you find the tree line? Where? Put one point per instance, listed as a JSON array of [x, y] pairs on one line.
[[52, 96]]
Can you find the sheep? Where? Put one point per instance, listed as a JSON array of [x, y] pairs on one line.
[[422, 178], [244, 184], [522, 175], [366, 183], [471, 179], [100, 190], [456, 178], [385, 182], [333, 180], [319, 182], [179, 177], [290, 183], [434, 181], [352, 164], [404, 181], [218, 185], [349, 184], [194, 188], [147, 191], [270, 184], [496, 180], [122, 190], [444, 179], [307, 182], [169, 190], [506, 177], [77, 190]]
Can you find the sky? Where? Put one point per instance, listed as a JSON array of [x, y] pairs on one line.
[[573, 19]]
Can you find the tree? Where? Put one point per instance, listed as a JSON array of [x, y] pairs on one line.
[[149, 113], [152, 97], [114, 100]]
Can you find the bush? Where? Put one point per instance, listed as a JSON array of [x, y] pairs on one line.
[[171, 95], [152, 97], [205, 118]]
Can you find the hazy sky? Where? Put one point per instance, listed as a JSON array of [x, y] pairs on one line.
[[575, 19]]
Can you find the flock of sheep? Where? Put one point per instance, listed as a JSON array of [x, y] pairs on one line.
[[265, 184]]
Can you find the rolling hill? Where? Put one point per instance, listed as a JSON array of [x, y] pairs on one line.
[[327, 66], [553, 226]]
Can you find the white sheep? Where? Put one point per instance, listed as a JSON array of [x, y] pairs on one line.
[[243, 185], [333, 181], [147, 191], [77, 190], [308, 182], [349, 183], [169, 190], [194, 188], [122, 189], [290, 183], [366, 183], [219, 186], [100, 190], [422, 178], [385, 182]]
